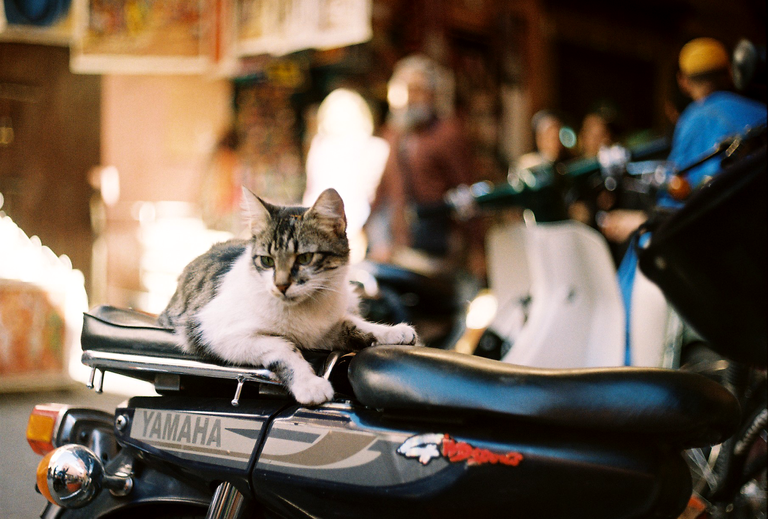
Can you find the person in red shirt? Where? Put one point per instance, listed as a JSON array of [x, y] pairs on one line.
[[429, 155]]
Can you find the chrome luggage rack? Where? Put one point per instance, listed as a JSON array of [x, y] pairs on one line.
[[167, 371], [109, 334]]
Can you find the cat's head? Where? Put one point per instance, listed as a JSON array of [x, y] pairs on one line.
[[299, 253]]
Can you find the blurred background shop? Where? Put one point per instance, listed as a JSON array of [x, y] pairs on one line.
[[126, 127]]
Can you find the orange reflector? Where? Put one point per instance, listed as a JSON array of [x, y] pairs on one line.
[[42, 477], [696, 509], [41, 428], [679, 188]]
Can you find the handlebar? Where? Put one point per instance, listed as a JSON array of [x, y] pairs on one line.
[[464, 200], [647, 151], [611, 163]]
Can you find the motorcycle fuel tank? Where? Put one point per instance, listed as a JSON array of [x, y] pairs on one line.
[[343, 460]]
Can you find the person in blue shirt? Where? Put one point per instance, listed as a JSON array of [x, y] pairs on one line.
[[715, 114]]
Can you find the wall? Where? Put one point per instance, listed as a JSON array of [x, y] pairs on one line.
[[158, 132], [55, 116]]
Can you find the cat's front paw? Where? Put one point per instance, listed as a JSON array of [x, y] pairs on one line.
[[312, 391], [398, 334]]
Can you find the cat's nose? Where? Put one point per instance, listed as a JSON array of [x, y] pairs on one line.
[[283, 288]]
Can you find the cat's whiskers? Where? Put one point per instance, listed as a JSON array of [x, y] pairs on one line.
[[322, 285], [324, 290]]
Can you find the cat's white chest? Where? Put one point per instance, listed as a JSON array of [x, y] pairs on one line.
[[243, 308]]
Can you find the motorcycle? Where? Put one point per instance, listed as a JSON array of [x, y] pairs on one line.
[[560, 305], [412, 432], [712, 269]]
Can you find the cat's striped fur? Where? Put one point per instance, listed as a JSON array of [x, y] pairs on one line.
[[259, 301]]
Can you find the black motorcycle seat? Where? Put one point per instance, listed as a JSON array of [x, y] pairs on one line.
[[683, 408], [119, 330], [108, 329], [436, 294]]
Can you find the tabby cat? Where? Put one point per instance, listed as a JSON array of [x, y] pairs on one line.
[[260, 301]]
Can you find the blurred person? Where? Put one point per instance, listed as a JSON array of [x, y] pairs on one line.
[[550, 151], [594, 134], [429, 155], [546, 127], [346, 156], [714, 114], [598, 129]]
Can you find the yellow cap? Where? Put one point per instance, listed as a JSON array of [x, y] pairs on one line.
[[703, 55]]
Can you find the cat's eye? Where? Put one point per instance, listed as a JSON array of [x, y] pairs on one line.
[[267, 261], [304, 259]]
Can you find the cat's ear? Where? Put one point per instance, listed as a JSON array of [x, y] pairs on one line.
[[329, 210], [255, 211]]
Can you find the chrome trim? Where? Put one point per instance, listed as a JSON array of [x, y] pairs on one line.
[[227, 503], [74, 475], [99, 388], [125, 362], [330, 362], [337, 406], [236, 399]]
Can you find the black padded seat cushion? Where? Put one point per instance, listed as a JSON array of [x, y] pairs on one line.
[[117, 330], [683, 408]]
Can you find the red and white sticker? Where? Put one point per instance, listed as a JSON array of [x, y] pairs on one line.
[[426, 447]]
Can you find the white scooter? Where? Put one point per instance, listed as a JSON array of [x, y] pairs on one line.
[[558, 302]]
